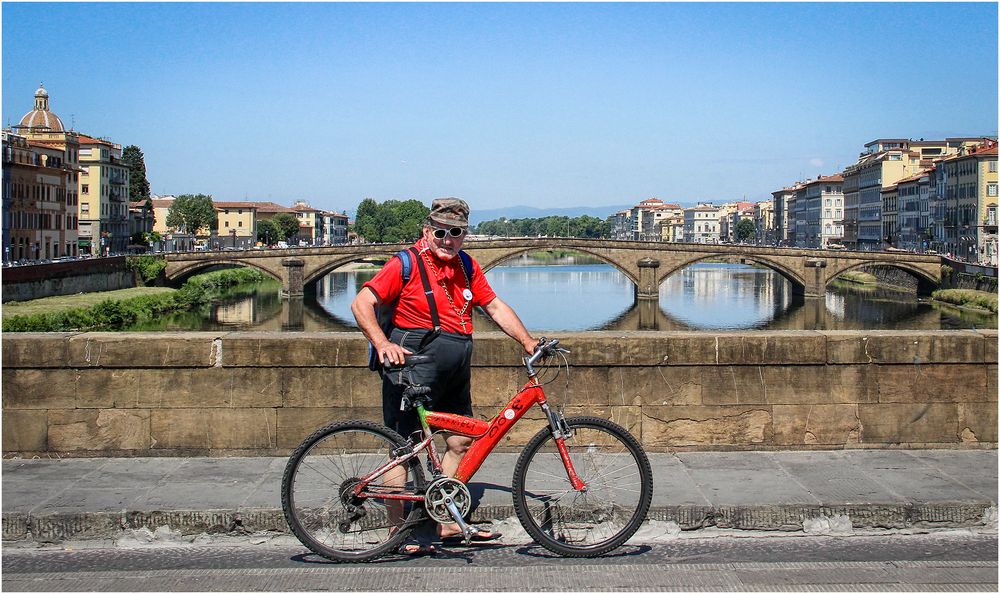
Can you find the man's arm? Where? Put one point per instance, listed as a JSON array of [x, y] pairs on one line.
[[363, 308], [507, 319]]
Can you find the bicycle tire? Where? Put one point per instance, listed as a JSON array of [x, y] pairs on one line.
[[590, 523], [321, 469]]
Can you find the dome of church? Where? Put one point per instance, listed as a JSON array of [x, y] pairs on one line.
[[41, 118]]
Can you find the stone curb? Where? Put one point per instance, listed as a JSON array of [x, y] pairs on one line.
[[60, 527]]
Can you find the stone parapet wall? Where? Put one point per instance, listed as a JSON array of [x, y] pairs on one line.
[[246, 393]]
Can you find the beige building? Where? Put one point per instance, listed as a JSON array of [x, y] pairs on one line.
[[237, 224], [701, 224], [40, 218], [310, 222], [970, 202], [103, 196], [882, 164]]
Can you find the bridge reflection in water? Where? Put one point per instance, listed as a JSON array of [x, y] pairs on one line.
[[706, 296]]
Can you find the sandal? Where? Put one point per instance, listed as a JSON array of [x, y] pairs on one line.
[[416, 549], [481, 535]]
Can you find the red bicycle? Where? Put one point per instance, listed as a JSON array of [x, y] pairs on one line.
[[353, 490]]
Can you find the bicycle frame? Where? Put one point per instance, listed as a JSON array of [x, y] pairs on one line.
[[486, 435]]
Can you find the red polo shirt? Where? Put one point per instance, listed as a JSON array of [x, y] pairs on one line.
[[412, 310]]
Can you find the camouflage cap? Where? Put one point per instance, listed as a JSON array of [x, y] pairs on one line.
[[451, 212]]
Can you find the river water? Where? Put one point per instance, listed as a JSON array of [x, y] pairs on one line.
[[579, 297]]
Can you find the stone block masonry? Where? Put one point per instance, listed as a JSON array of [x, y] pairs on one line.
[[258, 393]]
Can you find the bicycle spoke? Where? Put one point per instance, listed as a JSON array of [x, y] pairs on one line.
[[606, 512]]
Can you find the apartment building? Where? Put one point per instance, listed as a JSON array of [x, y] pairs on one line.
[[39, 214], [237, 224], [764, 222], [103, 191], [44, 157], [621, 225], [913, 230], [664, 220], [882, 164], [333, 228], [310, 222], [730, 214], [782, 201], [890, 227], [701, 224], [825, 210], [966, 184], [642, 218]]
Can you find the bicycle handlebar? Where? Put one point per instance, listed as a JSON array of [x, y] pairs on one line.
[[545, 348]]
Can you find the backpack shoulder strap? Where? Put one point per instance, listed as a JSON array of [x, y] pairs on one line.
[[429, 293], [466, 264], [404, 258]]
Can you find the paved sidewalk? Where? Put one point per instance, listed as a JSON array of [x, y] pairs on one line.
[[819, 492]]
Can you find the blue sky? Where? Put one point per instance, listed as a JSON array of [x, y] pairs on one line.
[[549, 105]]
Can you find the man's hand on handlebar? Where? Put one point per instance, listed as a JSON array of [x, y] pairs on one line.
[[391, 354]]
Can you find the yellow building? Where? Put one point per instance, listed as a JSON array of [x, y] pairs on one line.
[[103, 195], [237, 224], [970, 202]]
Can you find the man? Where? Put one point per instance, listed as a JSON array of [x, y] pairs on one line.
[[455, 292]]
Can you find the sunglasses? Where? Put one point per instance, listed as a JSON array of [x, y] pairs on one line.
[[454, 232]]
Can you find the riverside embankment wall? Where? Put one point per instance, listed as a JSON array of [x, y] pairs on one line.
[[243, 393], [22, 283]]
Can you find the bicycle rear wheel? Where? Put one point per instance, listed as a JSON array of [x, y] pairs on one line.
[[592, 522], [317, 487]]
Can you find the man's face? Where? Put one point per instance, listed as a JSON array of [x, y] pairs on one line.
[[443, 240]]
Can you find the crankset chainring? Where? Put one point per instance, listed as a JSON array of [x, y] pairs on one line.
[[439, 492]]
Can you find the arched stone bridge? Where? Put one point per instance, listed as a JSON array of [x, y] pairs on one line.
[[646, 264]]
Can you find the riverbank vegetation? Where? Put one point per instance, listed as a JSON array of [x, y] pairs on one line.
[[856, 276], [553, 226], [967, 298], [115, 310]]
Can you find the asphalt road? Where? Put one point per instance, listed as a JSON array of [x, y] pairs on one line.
[[955, 561]]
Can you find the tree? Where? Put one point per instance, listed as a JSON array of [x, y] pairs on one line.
[[391, 221], [286, 224], [138, 185], [745, 230], [267, 232], [190, 213]]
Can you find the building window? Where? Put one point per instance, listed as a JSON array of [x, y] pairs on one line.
[[85, 189], [991, 189], [227, 223], [993, 166]]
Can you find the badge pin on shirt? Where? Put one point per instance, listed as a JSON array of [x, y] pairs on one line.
[[467, 295]]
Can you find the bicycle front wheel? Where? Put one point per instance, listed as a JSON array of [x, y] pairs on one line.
[[619, 489], [317, 492]]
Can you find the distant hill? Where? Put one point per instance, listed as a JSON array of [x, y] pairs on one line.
[[530, 212]]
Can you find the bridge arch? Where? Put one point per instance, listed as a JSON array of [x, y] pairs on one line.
[[514, 252], [797, 282], [926, 282], [182, 273], [335, 263]]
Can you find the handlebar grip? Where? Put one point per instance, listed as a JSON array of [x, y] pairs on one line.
[[410, 361]]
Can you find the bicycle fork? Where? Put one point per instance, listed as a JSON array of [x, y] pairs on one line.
[[560, 431]]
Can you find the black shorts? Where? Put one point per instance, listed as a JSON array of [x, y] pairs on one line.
[[449, 376]]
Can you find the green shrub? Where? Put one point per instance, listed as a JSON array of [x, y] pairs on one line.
[[966, 297], [148, 267]]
